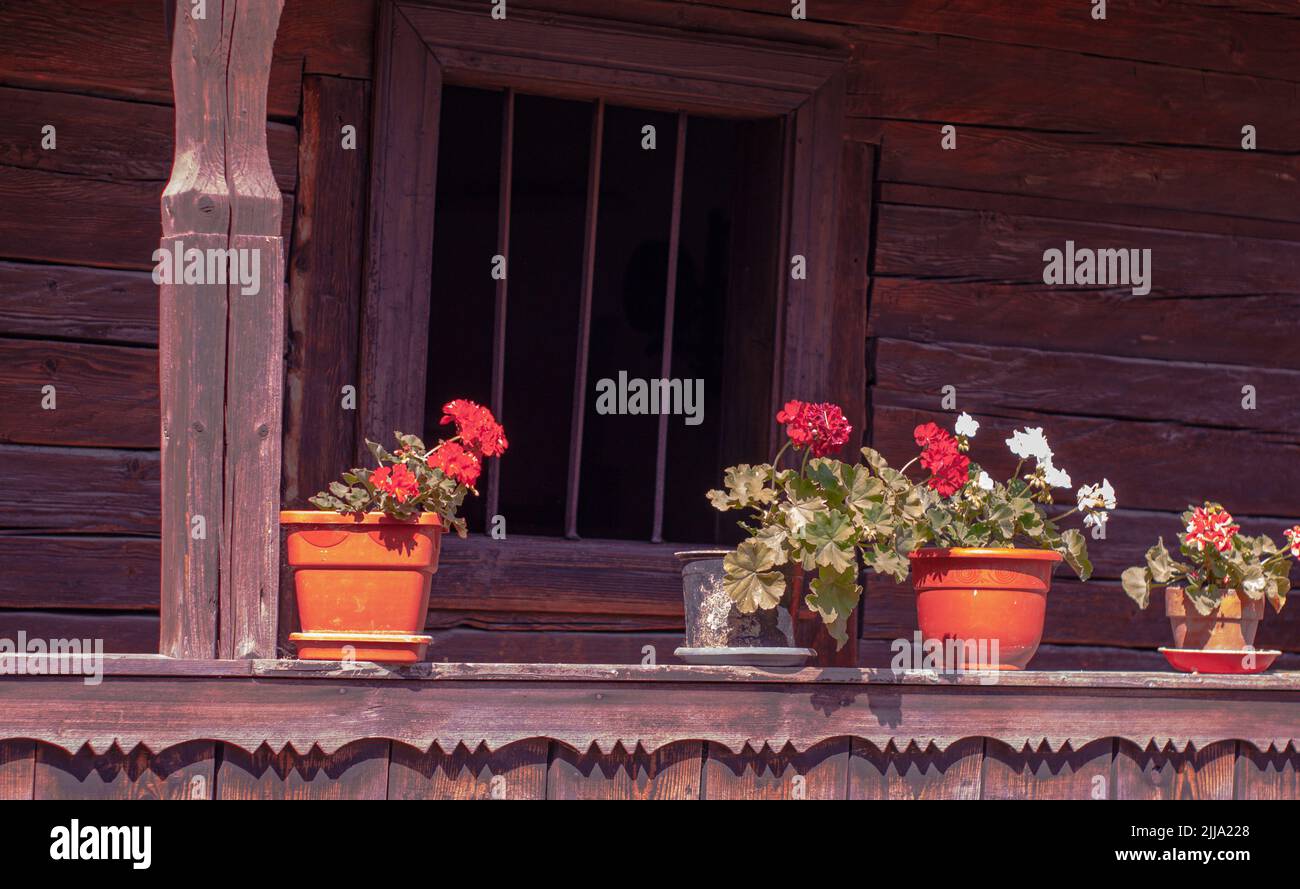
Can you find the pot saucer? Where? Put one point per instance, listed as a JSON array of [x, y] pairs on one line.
[[747, 657], [379, 648], [1238, 663]]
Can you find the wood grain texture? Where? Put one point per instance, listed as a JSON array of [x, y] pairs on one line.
[[1148, 773], [120, 631], [399, 255], [103, 396], [516, 771], [355, 771], [123, 484], [109, 139], [110, 573], [671, 772], [17, 762], [1270, 774], [184, 771], [1030, 774], [1239, 330], [103, 305], [912, 771], [324, 295], [761, 772]]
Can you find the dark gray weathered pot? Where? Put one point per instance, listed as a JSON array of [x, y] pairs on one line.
[[712, 619]]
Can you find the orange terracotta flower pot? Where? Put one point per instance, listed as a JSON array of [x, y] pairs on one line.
[[984, 605], [358, 578]]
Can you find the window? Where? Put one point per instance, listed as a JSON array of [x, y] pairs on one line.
[[758, 182]]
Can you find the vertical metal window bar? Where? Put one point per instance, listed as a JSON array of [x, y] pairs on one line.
[[584, 320], [499, 316], [670, 300]]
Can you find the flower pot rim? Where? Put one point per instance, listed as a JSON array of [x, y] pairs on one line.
[[999, 552], [326, 517], [696, 555]]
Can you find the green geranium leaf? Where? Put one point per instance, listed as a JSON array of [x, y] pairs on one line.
[[1076, 553], [1160, 563], [830, 536], [799, 512], [1137, 584], [833, 595], [875, 460], [750, 581]]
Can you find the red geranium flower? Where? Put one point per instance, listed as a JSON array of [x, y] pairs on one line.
[[476, 426], [456, 462], [396, 481], [1293, 540], [949, 468], [1211, 525], [821, 427]]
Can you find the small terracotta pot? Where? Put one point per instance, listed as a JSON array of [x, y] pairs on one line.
[[1230, 627], [989, 601], [361, 577]]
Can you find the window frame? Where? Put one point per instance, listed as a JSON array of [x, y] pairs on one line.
[[422, 45]]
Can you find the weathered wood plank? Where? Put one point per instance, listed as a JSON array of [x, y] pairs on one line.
[[516, 771], [1149, 773], [1031, 87], [117, 573], [17, 763], [358, 770], [1092, 170], [123, 485], [927, 242], [1130, 454], [121, 632], [78, 303], [820, 772], [1033, 774], [995, 378], [61, 46], [915, 773], [108, 138], [671, 772], [1227, 330], [325, 287], [1270, 774], [102, 396], [183, 771], [552, 647], [398, 268]]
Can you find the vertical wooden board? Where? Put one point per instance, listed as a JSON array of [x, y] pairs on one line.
[[515, 771], [1272, 774], [17, 761], [250, 578], [192, 369], [1174, 774], [671, 772], [399, 253], [913, 773], [355, 771], [324, 298], [820, 772], [183, 771], [1066, 774]]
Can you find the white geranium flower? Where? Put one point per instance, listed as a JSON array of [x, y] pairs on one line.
[[1096, 518], [1057, 478], [966, 425], [1100, 496], [1026, 443], [984, 481]]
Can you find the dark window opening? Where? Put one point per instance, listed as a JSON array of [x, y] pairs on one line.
[[723, 319]]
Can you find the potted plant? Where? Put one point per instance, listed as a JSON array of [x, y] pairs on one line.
[[363, 562], [981, 552], [1214, 596], [804, 521]]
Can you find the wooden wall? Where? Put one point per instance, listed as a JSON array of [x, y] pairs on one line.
[[538, 768], [1119, 133], [79, 485]]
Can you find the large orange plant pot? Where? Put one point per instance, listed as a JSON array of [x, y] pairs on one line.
[[984, 605], [362, 584]]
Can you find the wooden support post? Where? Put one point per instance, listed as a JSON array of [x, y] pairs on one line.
[[221, 392]]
